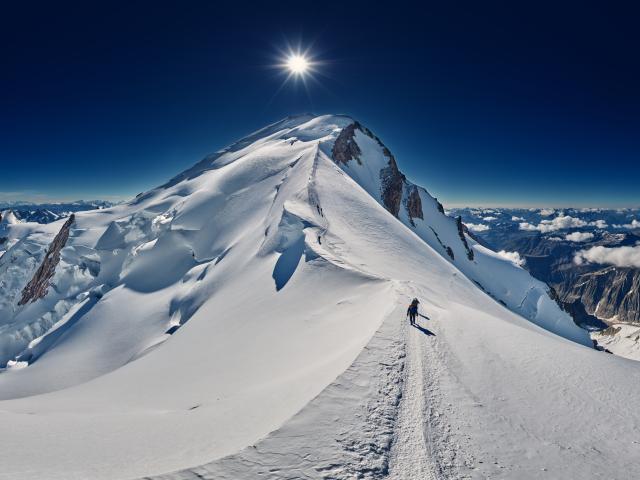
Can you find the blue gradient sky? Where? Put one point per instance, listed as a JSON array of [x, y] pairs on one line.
[[482, 103]]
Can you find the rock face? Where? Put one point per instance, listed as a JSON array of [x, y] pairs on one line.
[[345, 147], [611, 293], [39, 284], [392, 185], [461, 229], [576, 309], [414, 205]]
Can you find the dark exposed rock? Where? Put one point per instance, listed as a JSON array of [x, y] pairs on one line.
[[461, 229], [345, 147], [450, 253], [446, 248], [576, 309], [475, 237], [391, 190], [610, 330], [414, 205], [608, 293], [440, 207], [39, 283], [392, 184]]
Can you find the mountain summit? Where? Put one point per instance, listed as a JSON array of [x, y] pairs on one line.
[[248, 315]]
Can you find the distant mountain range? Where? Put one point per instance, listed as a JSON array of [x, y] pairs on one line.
[[50, 212], [591, 257]]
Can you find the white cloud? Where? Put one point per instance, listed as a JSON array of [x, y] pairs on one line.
[[599, 224], [513, 257], [527, 226], [477, 227], [618, 256], [554, 239], [546, 212], [517, 219], [634, 224], [579, 236], [562, 222], [590, 210], [489, 219]]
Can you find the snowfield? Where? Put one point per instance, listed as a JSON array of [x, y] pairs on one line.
[[247, 320]]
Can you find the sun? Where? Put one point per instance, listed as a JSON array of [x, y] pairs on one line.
[[297, 64]]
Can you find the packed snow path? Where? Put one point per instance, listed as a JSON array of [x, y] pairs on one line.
[[413, 450]]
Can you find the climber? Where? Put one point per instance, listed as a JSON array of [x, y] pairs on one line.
[[412, 311]]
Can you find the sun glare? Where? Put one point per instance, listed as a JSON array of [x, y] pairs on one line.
[[297, 64]]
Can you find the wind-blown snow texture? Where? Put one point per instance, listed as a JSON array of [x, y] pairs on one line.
[[246, 320]]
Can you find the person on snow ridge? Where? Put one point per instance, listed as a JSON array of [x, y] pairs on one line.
[[412, 311]]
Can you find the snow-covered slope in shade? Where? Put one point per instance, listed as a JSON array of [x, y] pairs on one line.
[[236, 300]]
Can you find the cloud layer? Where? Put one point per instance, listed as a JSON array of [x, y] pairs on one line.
[[634, 224], [477, 227], [579, 236], [513, 257], [618, 256], [561, 222]]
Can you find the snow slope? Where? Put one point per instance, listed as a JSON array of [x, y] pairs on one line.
[[247, 317]]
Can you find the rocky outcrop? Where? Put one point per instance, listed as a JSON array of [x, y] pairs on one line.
[[461, 229], [392, 180], [345, 147], [446, 248], [414, 205], [39, 283], [392, 185]]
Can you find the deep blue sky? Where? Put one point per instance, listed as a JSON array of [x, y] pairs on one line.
[[510, 103]]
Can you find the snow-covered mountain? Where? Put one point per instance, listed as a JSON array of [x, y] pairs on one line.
[[248, 317]]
